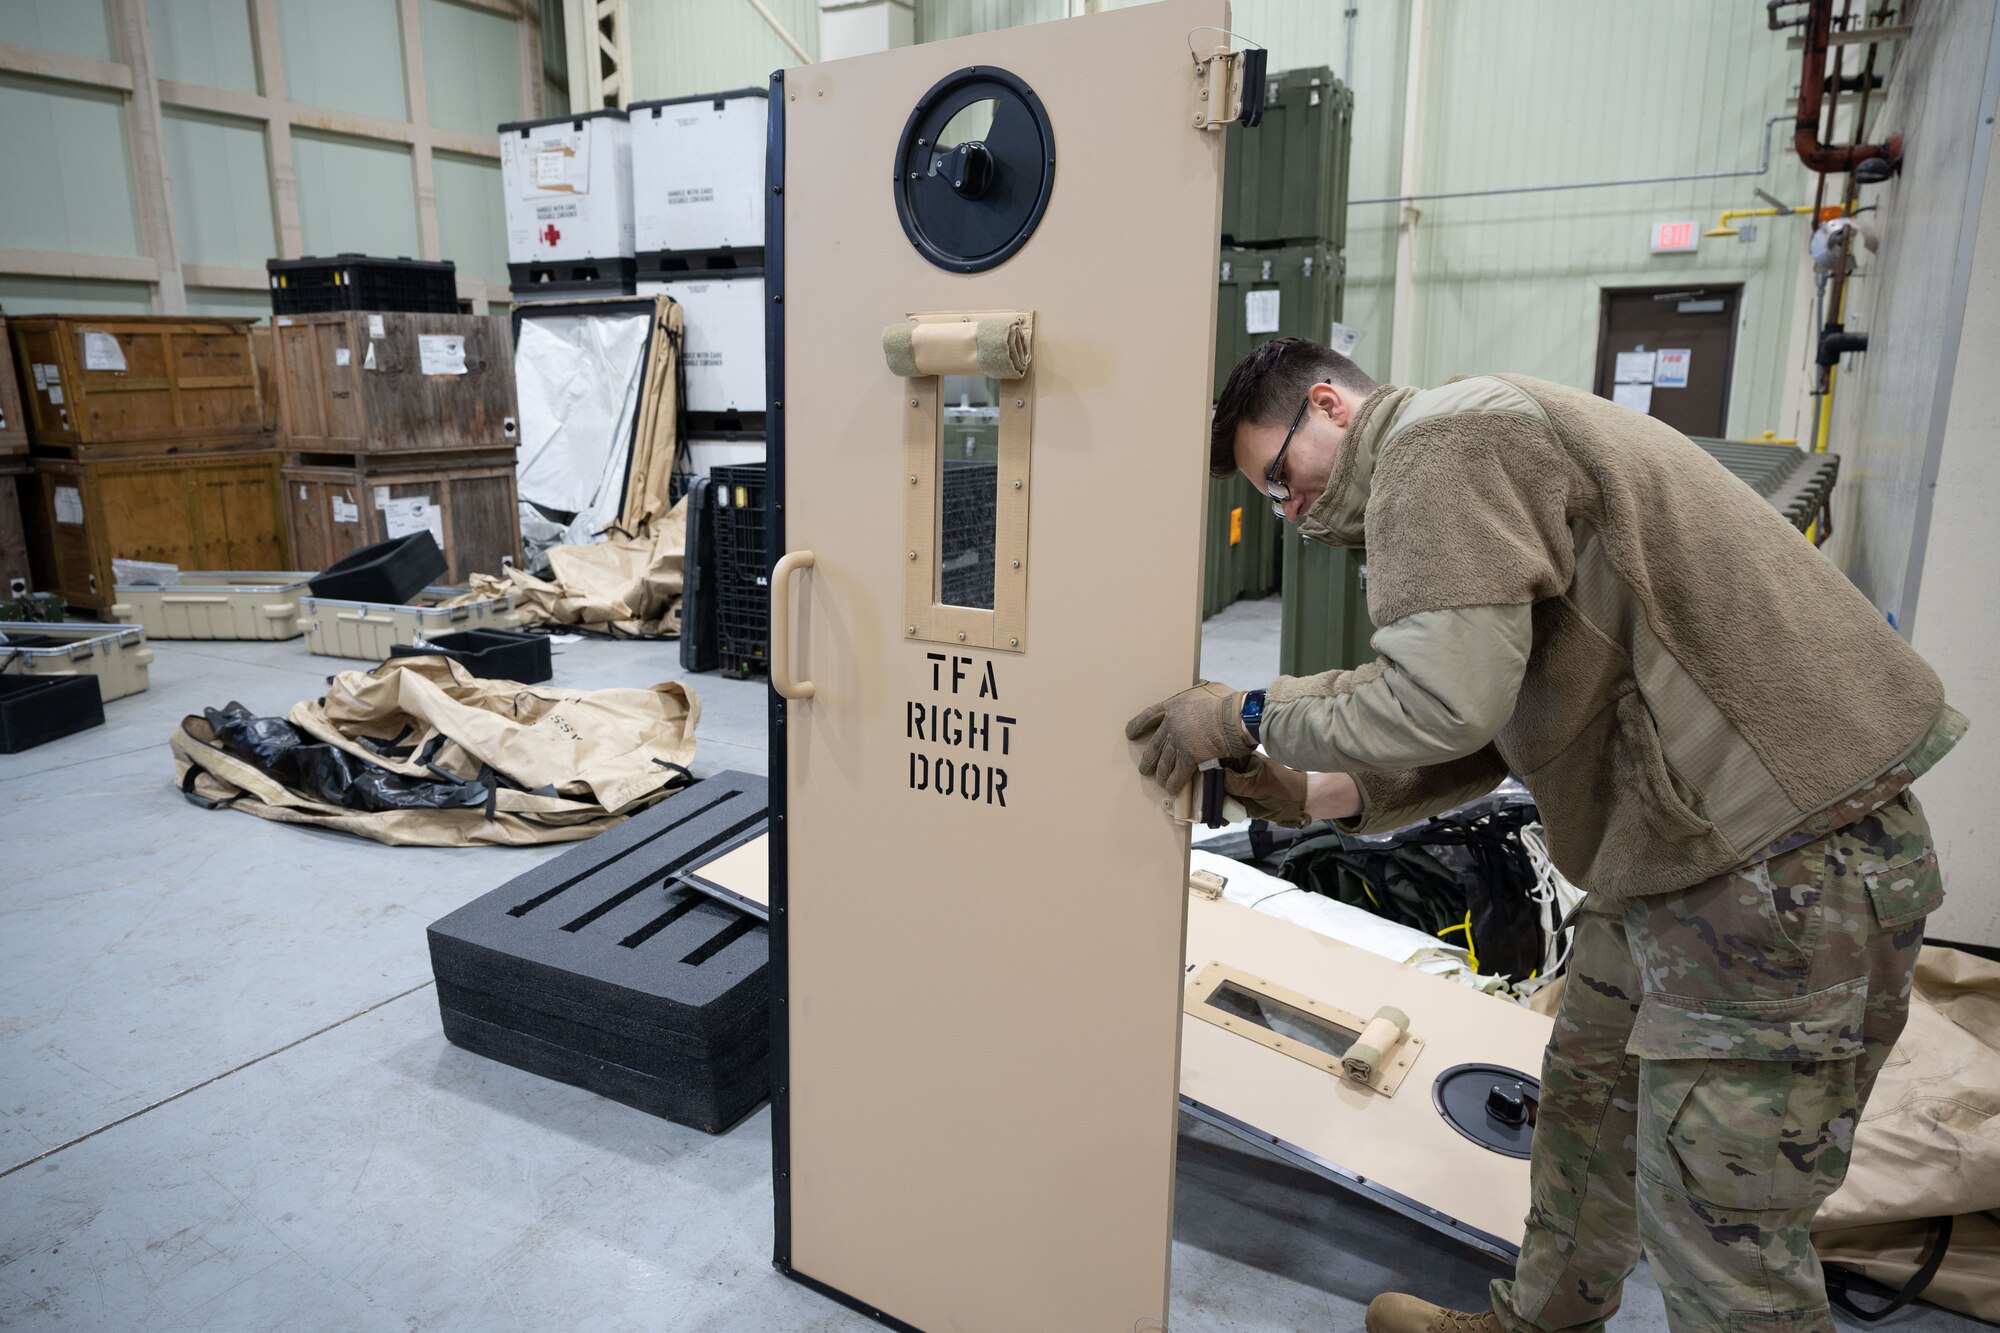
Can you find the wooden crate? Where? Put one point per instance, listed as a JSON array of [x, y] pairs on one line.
[[341, 502], [134, 378], [198, 512], [395, 382], [13, 532], [263, 355], [13, 422]]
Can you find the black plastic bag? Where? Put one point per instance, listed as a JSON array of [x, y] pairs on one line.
[[1462, 876], [330, 774]]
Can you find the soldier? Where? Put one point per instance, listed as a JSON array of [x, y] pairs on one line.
[[1720, 732]]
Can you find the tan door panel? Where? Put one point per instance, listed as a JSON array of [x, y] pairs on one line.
[[952, 1149], [1398, 1150]]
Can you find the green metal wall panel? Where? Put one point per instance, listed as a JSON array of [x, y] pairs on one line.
[[344, 54], [701, 46], [472, 67], [355, 195], [76, 27], [220, 184], [22, 295], [207, 42], [65, 171], [228, 301], [472, 221]]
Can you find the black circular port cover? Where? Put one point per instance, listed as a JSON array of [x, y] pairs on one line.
[[969, 208], [1492, 1105]]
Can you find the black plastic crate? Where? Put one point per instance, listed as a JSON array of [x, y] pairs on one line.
[[701, 648], [392, 571], [491, 654], [362, 282], [35, 710], [743, 628], [966, 568], [598, 969], [742, 541]]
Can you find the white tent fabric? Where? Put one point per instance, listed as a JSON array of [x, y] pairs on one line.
[[1252, 888], [579, 377]]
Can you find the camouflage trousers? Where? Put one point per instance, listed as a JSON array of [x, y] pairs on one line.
[[1707, 1069]]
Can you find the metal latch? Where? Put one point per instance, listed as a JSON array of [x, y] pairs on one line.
[[1229, 88]]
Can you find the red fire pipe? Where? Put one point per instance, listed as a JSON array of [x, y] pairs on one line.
[[1818, 156]]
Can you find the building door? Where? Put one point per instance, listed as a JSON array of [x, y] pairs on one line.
[[1668, 351], [977, 904]]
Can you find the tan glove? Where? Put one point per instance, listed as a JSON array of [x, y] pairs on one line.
[[1267, 789], [1185, 731]]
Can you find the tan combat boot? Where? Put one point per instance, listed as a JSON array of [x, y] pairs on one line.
[[1394, 1312]]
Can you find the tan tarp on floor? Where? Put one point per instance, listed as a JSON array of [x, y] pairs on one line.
[[587, 758], [1929, 1145], [625, 585]]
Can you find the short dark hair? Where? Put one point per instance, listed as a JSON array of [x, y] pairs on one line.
[[1268, 385]]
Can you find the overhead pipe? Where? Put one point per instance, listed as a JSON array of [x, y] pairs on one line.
[[1823, 157]]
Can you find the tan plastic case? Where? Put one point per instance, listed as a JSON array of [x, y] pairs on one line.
[[338, 628], [116, 654], [216, 604]]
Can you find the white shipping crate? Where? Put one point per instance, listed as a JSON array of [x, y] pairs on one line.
[[706, 452], [116, 654], [568, 188], [335, 627], [216, 604], [724, 352], [698, 171]]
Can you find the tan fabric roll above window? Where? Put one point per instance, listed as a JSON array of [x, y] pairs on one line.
[[997, 347]]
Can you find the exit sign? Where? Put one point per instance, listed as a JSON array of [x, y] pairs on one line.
[[1675, 238]]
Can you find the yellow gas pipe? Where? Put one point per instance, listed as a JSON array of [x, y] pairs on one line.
[[1722, 227]]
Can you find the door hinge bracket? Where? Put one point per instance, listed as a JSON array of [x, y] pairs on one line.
[[1229, 88]]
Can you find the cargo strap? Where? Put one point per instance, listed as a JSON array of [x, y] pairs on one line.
[[187, 789], [1837, 1278]]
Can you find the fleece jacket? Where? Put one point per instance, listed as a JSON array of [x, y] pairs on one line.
[[1578, 594]]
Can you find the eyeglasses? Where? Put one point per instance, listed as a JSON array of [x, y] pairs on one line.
[[1279, 492]]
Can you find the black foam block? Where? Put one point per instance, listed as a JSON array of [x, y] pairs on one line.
[[598, 969]]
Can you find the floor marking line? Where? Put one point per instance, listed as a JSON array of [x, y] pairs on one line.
[[154, 1106]]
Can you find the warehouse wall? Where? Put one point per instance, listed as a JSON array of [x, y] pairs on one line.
[[1916, 420], [681, 47], [1885, 402], [159, 151], [1542, 92]]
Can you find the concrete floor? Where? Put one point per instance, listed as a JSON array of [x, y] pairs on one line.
[[225, 1102]]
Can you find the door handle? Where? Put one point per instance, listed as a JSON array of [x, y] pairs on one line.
[[781, 625]]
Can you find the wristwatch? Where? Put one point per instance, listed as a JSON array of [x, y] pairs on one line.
[[1253, 715]]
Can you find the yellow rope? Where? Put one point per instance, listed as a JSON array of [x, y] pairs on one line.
[[1471, 953]]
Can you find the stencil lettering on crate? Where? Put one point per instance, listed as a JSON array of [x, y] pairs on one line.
[[957, 733]]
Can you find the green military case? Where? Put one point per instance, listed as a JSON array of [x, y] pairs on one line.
[[1284, 219], [1325, 625], [1243, 537], [1285, 182], [1305, 281]]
